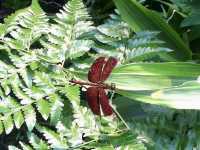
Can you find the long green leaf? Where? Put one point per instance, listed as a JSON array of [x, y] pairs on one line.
[[180, 69], [152, 76], [185, 96], [140, 18]]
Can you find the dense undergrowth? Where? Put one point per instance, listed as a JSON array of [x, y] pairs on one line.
[[156, 77]]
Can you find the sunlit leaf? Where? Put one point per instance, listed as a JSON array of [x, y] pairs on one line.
[[140, 18]]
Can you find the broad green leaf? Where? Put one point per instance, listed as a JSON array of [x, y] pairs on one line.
[[140, 18], [44, 108], [151, 76], [30, 117], [143, 97], [180, 69], [8, 124], [139, 82], [192, 20], [185, 96]]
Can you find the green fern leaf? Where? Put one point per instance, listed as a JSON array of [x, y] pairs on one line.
[[17, 61], [31, 81], [72, 21], [72, 93], [36, 142], [2, 30], [53, 138], [43, 80], [18, 119], [17, 114], [5, 86], [44, 108], [1, 127], [115, 38], [16, 84], [34, 25], [30, 117], [56, 108], [25, 146], [36, 7], [8, 124], [26, 75], [34, 92], [3, 107]]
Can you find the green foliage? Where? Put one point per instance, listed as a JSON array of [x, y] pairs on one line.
[[34, 87], [115, 38], [22, 30], [191, 9], [38, 57], [63, 42], [188, 11], [140, 18], [167, 128]]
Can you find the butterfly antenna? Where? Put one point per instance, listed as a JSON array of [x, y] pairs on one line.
[[117, 113]]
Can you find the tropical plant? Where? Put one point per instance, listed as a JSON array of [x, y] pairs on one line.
[[40, 55], [34, 82]]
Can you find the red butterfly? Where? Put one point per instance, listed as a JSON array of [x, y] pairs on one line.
[[95, 94]]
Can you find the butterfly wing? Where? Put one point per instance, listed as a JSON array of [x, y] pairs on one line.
[[92, 95], [104, 103], [108, 67], [94, 74], [97, 97]]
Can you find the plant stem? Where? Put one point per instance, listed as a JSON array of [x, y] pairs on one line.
[[118, 114], [81, 145]]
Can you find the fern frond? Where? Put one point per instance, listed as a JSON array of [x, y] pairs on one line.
[[30, 117], [34, 87], [25, 146], [25, 27], [16, 75], [116, 38], [56, 108], [70, 23], [36, 142], [54, 139], [72, 93], [8, 124], [44, 108]]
